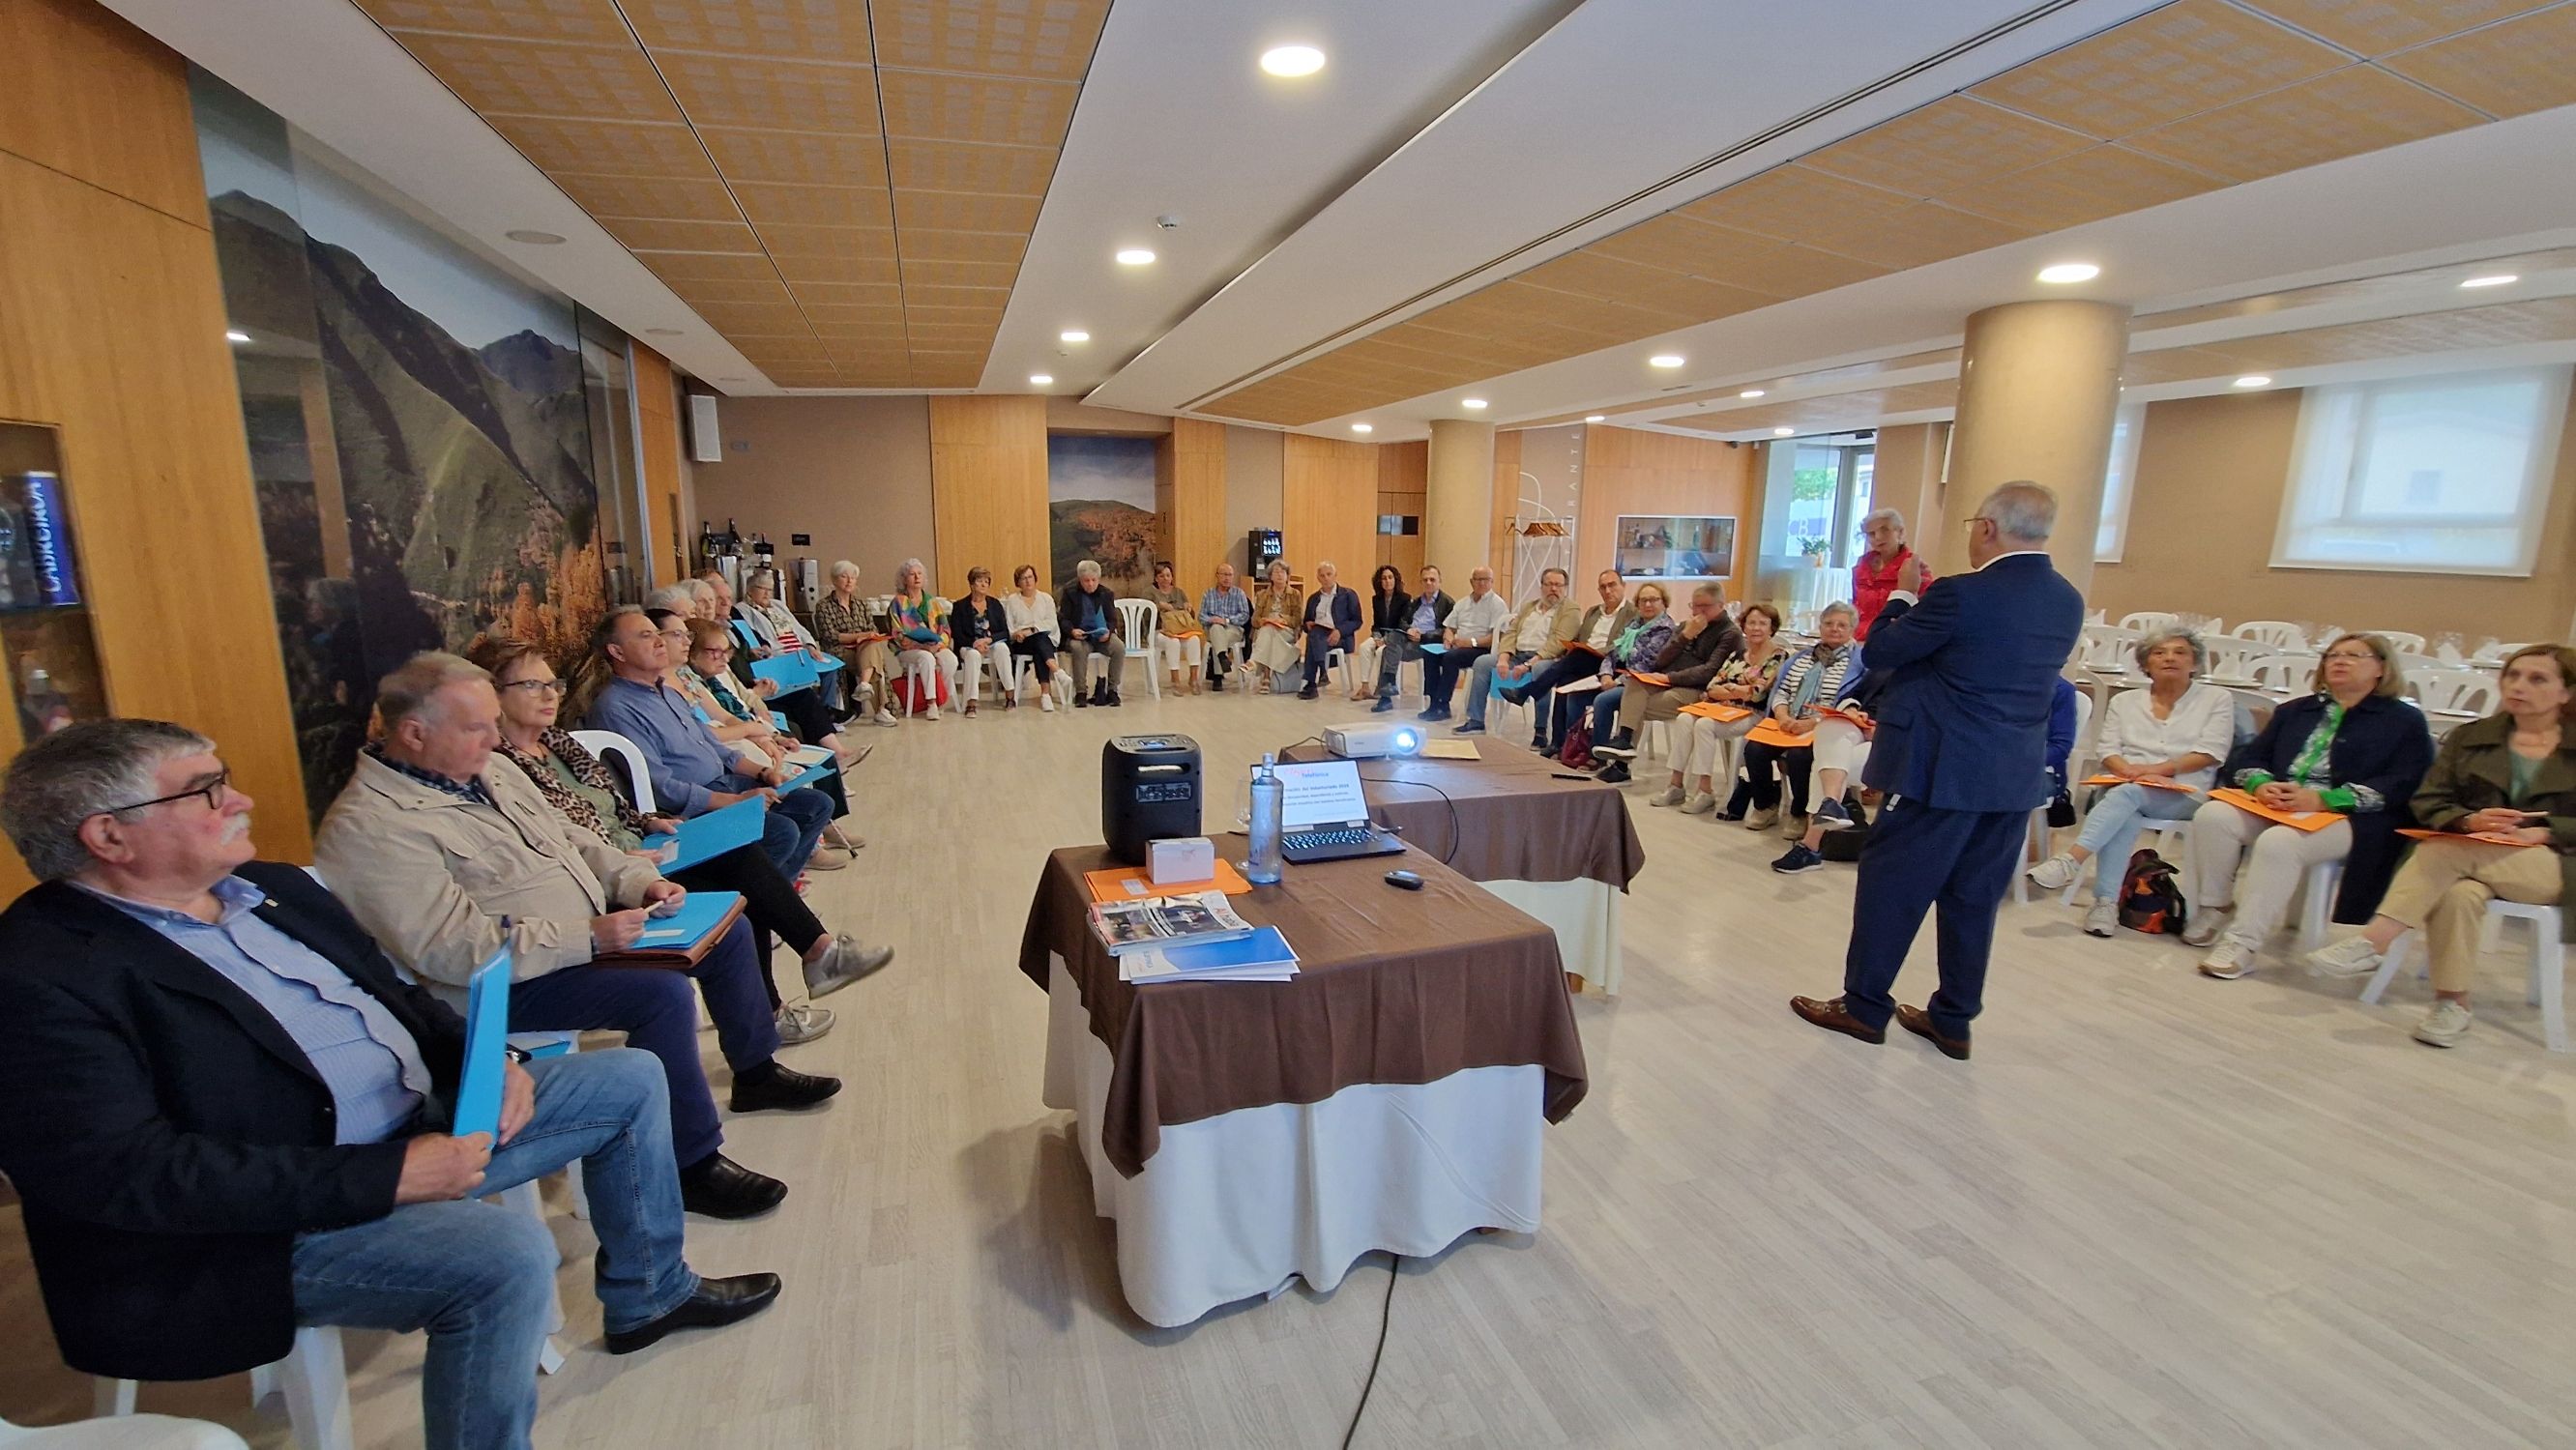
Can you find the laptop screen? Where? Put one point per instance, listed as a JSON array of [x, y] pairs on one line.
[[1320, 793]]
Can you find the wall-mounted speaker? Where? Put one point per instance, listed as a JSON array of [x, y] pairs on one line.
[[705, 445]]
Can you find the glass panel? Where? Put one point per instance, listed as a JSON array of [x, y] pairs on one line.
[[44, 624], [1815, 489]]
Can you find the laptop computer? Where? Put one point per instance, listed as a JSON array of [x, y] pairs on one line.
[[1324, 815]]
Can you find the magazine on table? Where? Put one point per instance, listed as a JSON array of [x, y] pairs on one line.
[[1126, 926], [1264, 956]]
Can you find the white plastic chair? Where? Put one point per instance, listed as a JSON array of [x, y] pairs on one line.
[[2148, 620], [2548, 984], [126, 1432], [2415, 664], [2473, 692], [2278, 633], [2041, 839], [1137, 619], [2398, 639], [314, 1378], [607, 744], [2107, 647], [2231, 658], [2316, 904], [2285, 673]]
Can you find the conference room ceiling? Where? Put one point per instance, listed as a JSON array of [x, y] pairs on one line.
[[1518, 199]]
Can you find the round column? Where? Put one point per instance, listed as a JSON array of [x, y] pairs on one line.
[[2039, 388], [1458, 502]]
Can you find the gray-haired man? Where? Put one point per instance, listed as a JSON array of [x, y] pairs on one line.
[[1089, 614]]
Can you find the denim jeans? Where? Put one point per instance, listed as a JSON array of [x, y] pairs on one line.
[[792, 826], [2111, 828], [1480, 683], [1440, 672], [1605, 710], [481, 1278], [1549, 707], [657, 1009]]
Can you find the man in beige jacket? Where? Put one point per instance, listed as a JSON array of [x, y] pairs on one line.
[[1532, 638], [445, 860]]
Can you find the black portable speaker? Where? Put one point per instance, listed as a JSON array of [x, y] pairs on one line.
[[1149, 791]]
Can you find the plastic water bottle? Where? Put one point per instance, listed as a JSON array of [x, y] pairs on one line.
[[1268, 798]]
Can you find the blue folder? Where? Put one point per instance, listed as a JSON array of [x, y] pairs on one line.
[[811, 775], [487, 1032], [711, 835], [791, 672], [1431, 648], [700, 913]]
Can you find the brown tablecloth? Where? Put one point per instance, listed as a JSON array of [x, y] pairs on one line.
[[1393, 987], [1513, 820]]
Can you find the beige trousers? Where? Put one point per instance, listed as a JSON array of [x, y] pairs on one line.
[[1699, 750], [2443, 891], [2220, 836], [1641, 703]]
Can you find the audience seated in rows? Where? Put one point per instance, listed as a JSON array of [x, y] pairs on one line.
[[1180, 640], [701, 670], [2167, 739], [1649, 629], [980, 629], [2356, 747], [1276, 610], [808, 707], [842, 623], [1530, 640], [1808, 681], [1332, 622], [581, 789], [1088, 611], [445, 859], [1741, 680], [1225, 611], [921, 637], [1688, 661], [1029, 614], [2511, 775], [1601, 626], [228, 1112]]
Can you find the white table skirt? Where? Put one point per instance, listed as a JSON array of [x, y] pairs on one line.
[[1241, 1204], [1584, 914]]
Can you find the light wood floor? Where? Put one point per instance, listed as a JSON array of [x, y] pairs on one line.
[[2156, 1210]]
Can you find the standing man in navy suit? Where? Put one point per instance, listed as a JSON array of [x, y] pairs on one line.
[[1961, 752]]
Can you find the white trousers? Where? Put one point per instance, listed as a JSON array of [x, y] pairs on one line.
[[1178, 650], [942, 660], [1699, 749], [972, 663], [1839, 745], [2219, 838]]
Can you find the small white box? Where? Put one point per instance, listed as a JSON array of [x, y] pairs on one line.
[[1180, 861]]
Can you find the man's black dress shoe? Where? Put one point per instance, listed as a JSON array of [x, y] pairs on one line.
[[718, 1187], [717, 1303], [781, 1087]]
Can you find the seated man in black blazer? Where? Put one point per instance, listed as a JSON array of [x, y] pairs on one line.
[[227, 1115]]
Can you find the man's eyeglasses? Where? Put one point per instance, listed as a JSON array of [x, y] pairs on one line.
[[213, 790], [539, 689]]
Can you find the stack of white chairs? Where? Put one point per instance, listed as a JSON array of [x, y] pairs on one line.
[[2472, 692], [2280, 634], [2285, 672], [2232, 658], [2148, 621], [2398, 640], [2107, 647]]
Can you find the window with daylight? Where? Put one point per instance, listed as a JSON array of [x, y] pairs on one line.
[[2112, 535], [2443, 474]]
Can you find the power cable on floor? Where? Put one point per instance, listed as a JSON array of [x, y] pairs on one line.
[[1385, 1315]]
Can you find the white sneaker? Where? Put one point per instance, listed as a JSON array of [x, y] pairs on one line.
[[2228, 960], [1670, 795], [1046, 701], [2054, 874], [2445, 1025], [2354, 956], [887, 717], [2206, 924], [1700, 804], [1762, 820], [930, 714], [2103, 919]]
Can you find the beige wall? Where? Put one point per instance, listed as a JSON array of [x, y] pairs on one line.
[[852, 472], [2209, 479], [1631, 471], [1255, 470]]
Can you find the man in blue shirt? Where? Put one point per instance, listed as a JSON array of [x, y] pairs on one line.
[[228, 1115]]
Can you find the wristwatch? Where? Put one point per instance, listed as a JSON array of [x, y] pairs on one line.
[[517, 1054]]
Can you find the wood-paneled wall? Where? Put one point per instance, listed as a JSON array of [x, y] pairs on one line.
[[1403, 484], [657, 421], [1189, 492], [1328, 507], [988, 487], [112, 332], [1504, 550], [1632, 471]]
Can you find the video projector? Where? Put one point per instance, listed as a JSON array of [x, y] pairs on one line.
[[1369, 740]]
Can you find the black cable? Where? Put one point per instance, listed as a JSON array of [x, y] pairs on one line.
[[1385, 1316], [1435, 790]]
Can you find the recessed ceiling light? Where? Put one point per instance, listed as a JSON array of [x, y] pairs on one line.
[[535, 238], [1666, 360], [1471, 403], [1041, 379], [1363, 428], [2498, 279], [1135, 256], [1596, 418], [2064, 273], [663, 331], [1075, 334], [235, 334], [1292, 60], [1782, 432], [2254, 380], [1750, 393]]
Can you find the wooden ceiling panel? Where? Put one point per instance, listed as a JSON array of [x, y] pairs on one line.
[[1803, 271], [1955, 141], [607, 148], [2512, 69], [756, 319], [801, 270], [764, 291], [1794, 203], [2378, 27], [1917, 236], [502, 77], [823, 296], [1678, 299], [918, 272], [965, 212], [885, 307], [976, 108], [678, 267], [966, 166], [595, 22], [2343, 113], [1043, 39], [807, 158], [644, 235], [779, 203], [2087, 186], [783, 95], [834, 30], [869, 244], [929, 245], [1678, 243], [763, 350], [975, 299], [2174, 61], [649, 196]]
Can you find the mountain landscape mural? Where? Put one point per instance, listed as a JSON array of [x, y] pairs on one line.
[[1100, 506]]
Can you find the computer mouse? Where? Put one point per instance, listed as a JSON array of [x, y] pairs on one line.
[[1404, 880]]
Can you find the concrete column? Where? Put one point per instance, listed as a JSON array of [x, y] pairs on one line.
[[1458, 502], [2039, 387]]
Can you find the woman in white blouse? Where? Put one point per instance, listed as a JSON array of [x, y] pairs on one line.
[[2172, 733], [1030, 613]]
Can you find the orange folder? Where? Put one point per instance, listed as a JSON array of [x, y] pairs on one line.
[[2151, 782], [1717, 710], [1648, 677], [2490, 837], [1772, 732], [1130, 883], [1866, 726], [2296, 820]]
